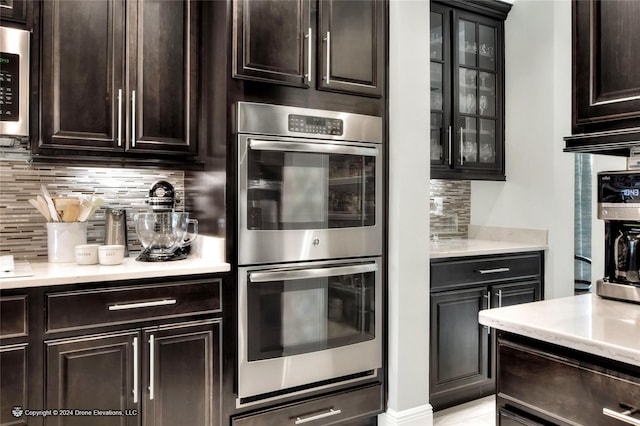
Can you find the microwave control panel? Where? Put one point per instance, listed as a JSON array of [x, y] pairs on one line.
[[315, 125], [9, 87]]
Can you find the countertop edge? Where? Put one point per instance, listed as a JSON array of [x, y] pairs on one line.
[[61, 274], [496, 247], [525, 327]]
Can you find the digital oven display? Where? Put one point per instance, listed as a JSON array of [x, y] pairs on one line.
[[317, 125], [619, 188], [9, 87]]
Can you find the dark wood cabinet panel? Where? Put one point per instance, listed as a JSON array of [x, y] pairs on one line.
[[351, 57], [278, 41], [163, 75], [467, 91], [271, 41], [119, 76], [13, 382], [93, 372], [459, 350], [462, 352], [562, 386], [606, 83], [15, 12], [606, 63], [13, 316], [82, 73], [185, 365], [340, 408]]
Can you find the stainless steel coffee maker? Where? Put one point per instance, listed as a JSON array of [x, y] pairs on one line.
[[619, 207], [162, 231]]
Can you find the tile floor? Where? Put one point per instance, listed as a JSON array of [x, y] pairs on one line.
[[481, 412]]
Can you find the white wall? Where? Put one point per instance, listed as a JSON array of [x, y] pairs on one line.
[[538, 192], [409, 106]]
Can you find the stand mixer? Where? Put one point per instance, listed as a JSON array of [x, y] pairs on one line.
[[162, 231]]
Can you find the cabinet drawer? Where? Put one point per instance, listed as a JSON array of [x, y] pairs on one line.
[[93, 308], [568, 390], [13, 316], [329, 410], [462, 271]]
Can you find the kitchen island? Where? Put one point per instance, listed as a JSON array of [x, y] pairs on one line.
[[567, 361]]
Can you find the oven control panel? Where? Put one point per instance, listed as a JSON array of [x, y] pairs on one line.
[[316, 125], [9, 89]]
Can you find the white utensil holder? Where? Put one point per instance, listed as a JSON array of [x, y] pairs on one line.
[[62, 238]]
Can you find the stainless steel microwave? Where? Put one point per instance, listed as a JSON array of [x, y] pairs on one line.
[[14, 82]]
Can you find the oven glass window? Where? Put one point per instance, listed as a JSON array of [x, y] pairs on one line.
[[305, 315], [299, 190]]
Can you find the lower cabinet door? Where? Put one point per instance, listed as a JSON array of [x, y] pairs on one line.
[[515, 293], [181, 375], [509, 418], [459, 345], [92, 373], [13, 384]]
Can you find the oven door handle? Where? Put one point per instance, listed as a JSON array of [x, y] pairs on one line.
[[297, 274], [322, 148]]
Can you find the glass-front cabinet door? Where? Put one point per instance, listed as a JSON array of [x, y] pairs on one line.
[[467, 111]]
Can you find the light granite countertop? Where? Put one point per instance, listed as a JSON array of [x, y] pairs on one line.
[[586, 323], [207, 257], [488, 240], [476, 247]]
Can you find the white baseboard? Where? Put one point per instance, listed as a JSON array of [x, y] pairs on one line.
[[418, 416]]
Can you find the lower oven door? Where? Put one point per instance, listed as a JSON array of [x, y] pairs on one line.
[[308, 325]]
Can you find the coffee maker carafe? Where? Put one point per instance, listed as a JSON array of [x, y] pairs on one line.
[[626, 255]]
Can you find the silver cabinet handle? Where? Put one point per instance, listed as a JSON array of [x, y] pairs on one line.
[[119, 117], [488, 297], [302, 146], [152, 357], [623, 416], [493, 271], [309, 46], [135, 370], [450, 148], [461, 148], [499, 294], [135, 305], [133, 118], [296, 274], [328, 39], [329, 413]]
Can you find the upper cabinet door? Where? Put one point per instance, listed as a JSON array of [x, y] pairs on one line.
[[162, 70], [606, 43], [352, 46], [82, 74], [272, 41]]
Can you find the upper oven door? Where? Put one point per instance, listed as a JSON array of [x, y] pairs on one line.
[[308, 199]]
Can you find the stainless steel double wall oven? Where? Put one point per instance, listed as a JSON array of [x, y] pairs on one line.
[[310, 227]]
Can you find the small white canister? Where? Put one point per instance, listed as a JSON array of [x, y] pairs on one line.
[[62, 238]]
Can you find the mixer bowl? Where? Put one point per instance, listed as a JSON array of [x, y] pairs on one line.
[[162, 233]]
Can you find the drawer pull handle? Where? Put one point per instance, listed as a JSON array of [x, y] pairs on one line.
[[623, 416], [137, 305], [331, 412], [493, 271]]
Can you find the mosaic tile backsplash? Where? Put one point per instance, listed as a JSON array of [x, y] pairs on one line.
[[450, 208], [22, 229]]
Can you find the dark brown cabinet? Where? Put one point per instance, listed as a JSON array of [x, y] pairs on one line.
[[461, 350], [277, 41], [119, 76], [467, 92], [15, 12], [14, 359], [606, 83], [544, 384], [146, 375]]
